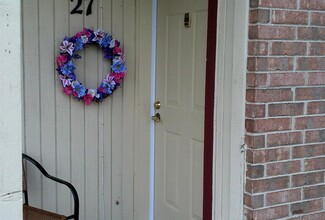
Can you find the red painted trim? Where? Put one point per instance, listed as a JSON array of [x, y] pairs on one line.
[[209, 110]]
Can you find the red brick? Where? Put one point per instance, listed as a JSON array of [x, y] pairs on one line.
[[266, 185], [279, 168], [255, 142], [311, 33], [259, 16], [315, 216], [311, 63], [287, 79], [312, 4], [317, 18], [266, 125], [283, 197], [310, 122], [256, 171], [249, 155], [315, 136], [316, 78], [269, 213], [317, 48], [308, 151], [253, 3], [286, 109], [316, 107], [271, 32], [256, 80], [269, 63], [253, 201], [314, 93], [289, 48], [289, 17], [284, 139], [257, 48], [314, 192], [307, 179], [278, 3], [270, 155], [269, 95], [307, 207], [255, 111], [315, 163]]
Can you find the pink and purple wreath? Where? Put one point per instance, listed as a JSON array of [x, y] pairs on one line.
[[69, 51]]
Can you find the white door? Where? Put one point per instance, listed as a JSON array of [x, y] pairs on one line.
[[180, 87]]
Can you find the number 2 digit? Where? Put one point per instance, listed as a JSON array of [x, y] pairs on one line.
[[75, 10]]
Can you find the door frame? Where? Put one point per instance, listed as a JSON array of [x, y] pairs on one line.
[[227, 164]]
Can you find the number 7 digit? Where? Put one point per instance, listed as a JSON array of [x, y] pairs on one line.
[[89, 8]]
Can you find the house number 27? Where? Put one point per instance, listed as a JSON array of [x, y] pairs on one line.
[[76, 9]]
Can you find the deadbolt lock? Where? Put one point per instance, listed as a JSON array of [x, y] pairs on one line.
[[156, 117], [157, 105]]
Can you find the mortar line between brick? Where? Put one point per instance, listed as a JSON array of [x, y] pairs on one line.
[[289, 160], [282, 190], [287, 25], [286, 146], [287, 56], [287, 175], [284, 204], [300, 216], [288, 102], [287, 9]]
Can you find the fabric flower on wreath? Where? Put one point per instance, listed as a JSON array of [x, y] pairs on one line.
[[85, 32], [108, 53], [110, 80], [68, 90], [68, 68], [93, 93], [61, 60], [106, 87], [67, 47], [114, 43], [117, 76], [79, 89], [66, 80], [88, 98], [118, 66], [78, 44], [99, 35], [105, 42]]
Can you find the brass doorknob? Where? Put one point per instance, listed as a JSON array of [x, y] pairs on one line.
[[156, 117]]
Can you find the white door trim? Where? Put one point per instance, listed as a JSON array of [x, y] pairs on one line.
[[142, 109], [152, 111], [229, 125]]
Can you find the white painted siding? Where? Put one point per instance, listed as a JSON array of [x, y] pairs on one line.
[[91, 146], [10, 111]]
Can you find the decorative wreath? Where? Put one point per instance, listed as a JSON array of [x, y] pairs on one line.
[[68, 52]]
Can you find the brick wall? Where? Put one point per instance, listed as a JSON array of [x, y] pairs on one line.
[[285, 110]]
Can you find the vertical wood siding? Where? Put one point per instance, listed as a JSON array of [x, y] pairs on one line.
[[91, 146]]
